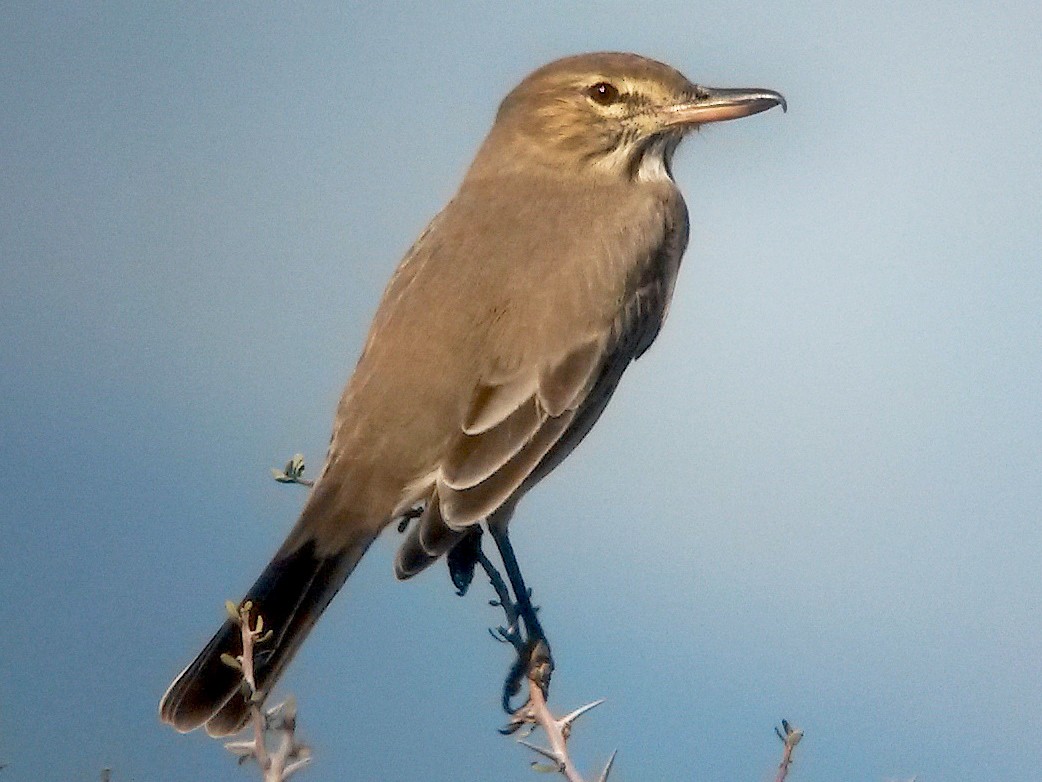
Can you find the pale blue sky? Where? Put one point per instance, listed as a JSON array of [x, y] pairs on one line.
[[817, 497]]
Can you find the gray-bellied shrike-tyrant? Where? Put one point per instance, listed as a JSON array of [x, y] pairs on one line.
[[497, 344]]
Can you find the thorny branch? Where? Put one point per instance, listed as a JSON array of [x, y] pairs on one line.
[[534, 713], [790, 737], [289, 755]]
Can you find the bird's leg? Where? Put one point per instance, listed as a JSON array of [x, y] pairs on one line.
[[522, 595], [522, 629], [509, 633], [534, 663], [534, 659], [533, 653]]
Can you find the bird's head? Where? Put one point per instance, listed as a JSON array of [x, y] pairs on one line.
[[618, 114]]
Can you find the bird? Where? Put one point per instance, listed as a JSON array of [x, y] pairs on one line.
[[496, 346]]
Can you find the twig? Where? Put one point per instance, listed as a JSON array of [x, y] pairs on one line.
[[289, 756], [249, 636], [790, 737], [557, 731]]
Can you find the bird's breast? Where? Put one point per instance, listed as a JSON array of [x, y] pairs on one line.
[[510, 276]]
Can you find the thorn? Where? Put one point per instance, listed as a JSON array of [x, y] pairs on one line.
[[241, 748], [546, 753], [296, 765], [289, 708], [607, 767], [568, 719], [543, 768]]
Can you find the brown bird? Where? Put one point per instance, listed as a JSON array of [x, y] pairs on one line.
[[497, 344]]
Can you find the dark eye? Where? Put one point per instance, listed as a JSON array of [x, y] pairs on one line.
[[603, 93]]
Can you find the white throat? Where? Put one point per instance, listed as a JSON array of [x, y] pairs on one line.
[[654, 163]]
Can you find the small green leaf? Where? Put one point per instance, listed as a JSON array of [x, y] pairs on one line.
[[231, 662], [294, 467]]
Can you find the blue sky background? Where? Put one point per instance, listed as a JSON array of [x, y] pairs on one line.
[[817, 497]]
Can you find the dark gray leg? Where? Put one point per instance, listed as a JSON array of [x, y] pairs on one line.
[[522, 595], [533, 650]]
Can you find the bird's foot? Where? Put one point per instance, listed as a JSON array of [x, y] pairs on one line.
[[534, 664]]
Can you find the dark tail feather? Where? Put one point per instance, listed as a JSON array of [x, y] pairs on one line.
[[290, 594]]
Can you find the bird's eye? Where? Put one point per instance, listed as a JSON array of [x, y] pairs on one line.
[[603, 93]]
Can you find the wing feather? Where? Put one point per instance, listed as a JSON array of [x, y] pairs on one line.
[[494, 402], [461, 507], [472, 458], [562, 383]]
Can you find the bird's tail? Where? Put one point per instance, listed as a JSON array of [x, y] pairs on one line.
[[290, 595]]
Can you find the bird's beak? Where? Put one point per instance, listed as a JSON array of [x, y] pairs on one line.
[[718, 105]]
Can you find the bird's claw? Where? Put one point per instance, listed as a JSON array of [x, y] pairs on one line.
[[519, 718], [534, 663], [541, 665]]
